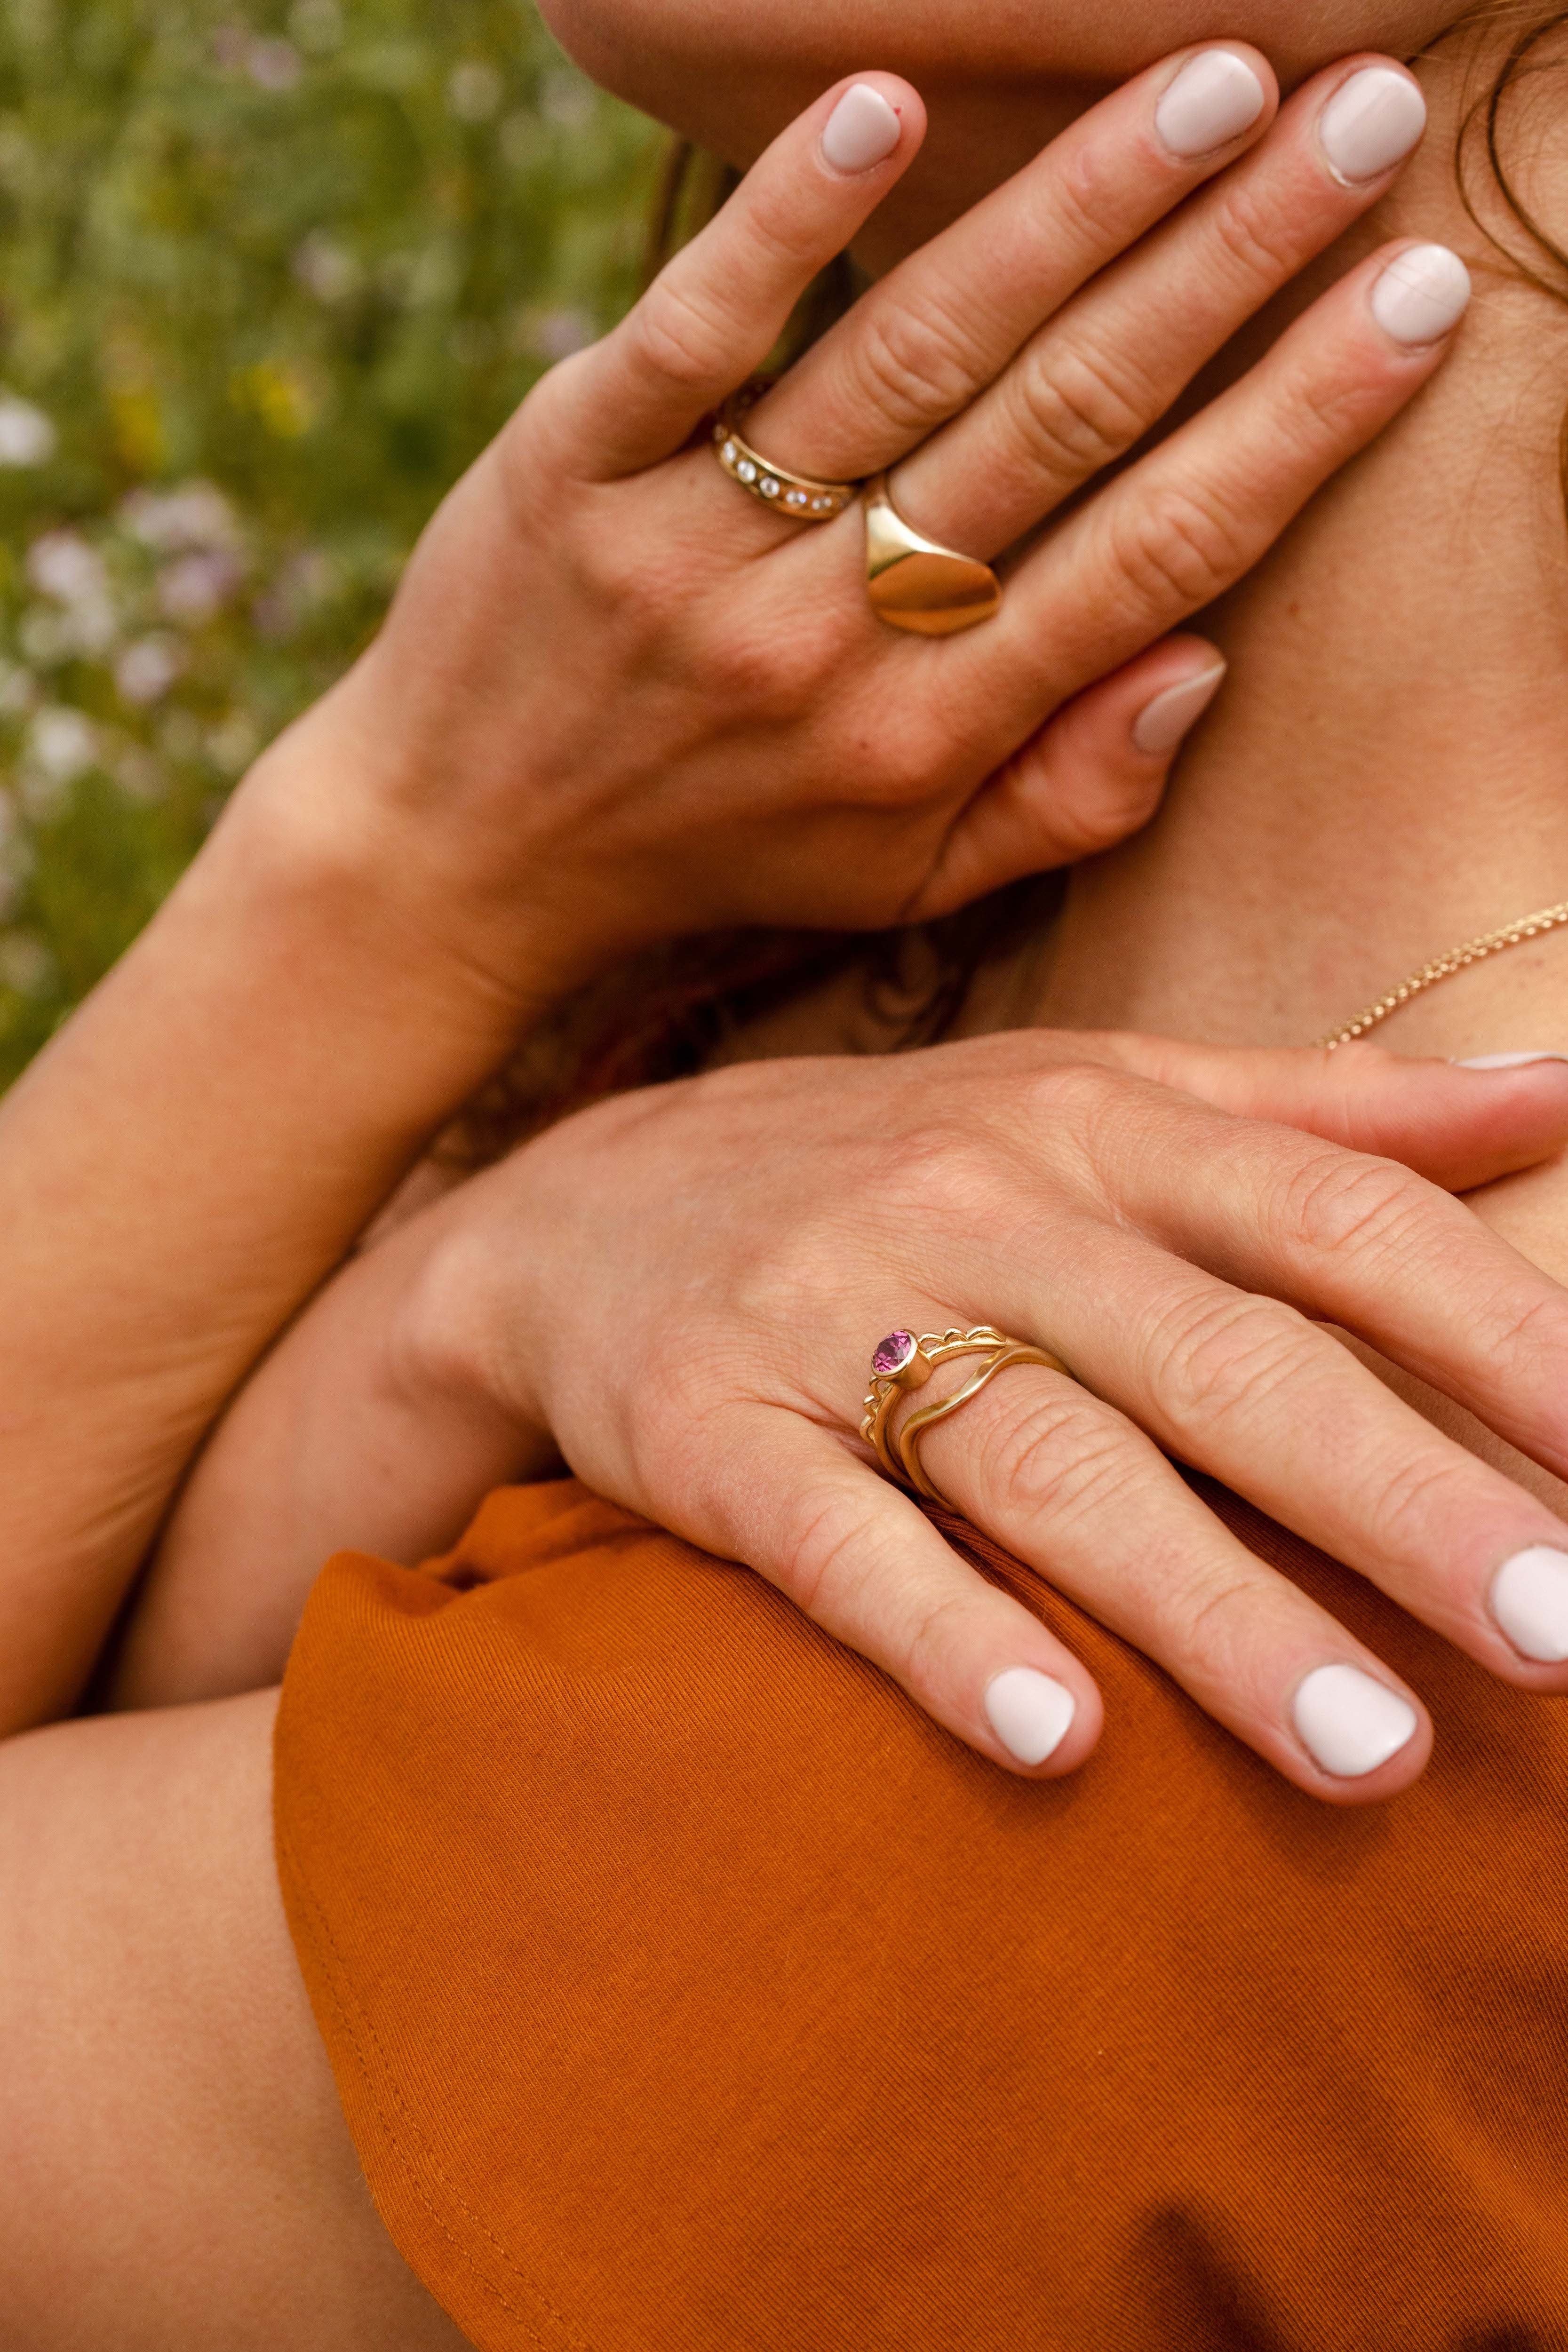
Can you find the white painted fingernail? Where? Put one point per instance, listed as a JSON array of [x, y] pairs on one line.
[[1212, 100], [862, 129], [1160, 724], [1424, 292], [1349, 1722], [1030, 1713], [1530, 1601], [1369, 123], [1507, 1061]]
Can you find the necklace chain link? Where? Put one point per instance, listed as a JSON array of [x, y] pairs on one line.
[[1443, 967]]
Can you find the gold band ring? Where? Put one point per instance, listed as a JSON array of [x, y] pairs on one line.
[[903, 1362], [794, 494], [916, 584]]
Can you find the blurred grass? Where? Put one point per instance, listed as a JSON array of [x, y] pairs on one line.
[[268, 282]]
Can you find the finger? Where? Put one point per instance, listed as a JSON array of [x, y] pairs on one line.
[[1248, 1389], [713, 314], [1090, 383], [1365, 1243], [1070, 1487], [1458, 1127], [1093, 774], [938, 328], [869, 1567], [1175, 530]]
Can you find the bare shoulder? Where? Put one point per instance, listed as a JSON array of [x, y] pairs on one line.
[[174, 2168]]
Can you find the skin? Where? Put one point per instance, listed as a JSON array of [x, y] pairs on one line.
[[1318, 719], [998, 80]]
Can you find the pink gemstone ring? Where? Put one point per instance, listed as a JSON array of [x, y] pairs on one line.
[[902, 1363]]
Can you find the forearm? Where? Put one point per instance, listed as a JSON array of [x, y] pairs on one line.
[[356, 1432], [190, 1157]]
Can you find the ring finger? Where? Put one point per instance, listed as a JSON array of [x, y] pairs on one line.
[[1071, 1489]]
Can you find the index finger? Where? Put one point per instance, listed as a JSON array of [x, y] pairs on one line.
[[714, 313]]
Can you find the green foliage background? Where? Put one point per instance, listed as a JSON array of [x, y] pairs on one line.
[[268, 282]]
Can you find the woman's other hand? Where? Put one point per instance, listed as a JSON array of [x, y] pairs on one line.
[[618, 698], [682, 1289]]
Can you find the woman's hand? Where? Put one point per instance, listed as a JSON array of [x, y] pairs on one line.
[[683, 1288], [618, 698]]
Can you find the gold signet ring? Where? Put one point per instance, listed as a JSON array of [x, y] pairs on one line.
[[915, 584]]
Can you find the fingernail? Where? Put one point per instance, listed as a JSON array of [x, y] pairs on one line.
[[1212, 100], [1369, 123], [1530, 1601], [1507, 1061], [1351, 1724], [1423, 292], [861, 129], [1030, 1713], [1160, 724]]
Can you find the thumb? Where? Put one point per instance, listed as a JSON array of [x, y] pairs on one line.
[[1094, 774]]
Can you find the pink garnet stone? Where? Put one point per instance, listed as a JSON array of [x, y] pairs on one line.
[[893, 1353]]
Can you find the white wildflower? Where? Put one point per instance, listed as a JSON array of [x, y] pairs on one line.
[[68, 568], [62, 744], [273, 65], [566, 98], [27, 437], [474, 91], [148, 667], [328, 270], [195, 587], [193, 515]]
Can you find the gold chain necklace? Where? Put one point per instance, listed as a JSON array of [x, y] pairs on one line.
[[1443, 967]]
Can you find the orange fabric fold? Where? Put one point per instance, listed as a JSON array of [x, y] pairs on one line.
[[687, 1990]]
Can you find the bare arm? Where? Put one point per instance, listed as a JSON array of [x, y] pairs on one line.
[[460, 831]]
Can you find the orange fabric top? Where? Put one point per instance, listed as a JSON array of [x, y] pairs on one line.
[[689, 1991]]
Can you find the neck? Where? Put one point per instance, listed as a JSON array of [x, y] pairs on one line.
[[1386, 772]]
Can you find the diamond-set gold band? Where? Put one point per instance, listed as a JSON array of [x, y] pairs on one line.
[[794, 494], [914, 583], [903, 1362]]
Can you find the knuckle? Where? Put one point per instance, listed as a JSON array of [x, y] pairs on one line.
[[769, 674], [1226, 1355], [683, 336], [1257, 236], [936, 1169], [922, 1651], [780, 232], [1073, 413], [1100, 807], [914, 363], [1425, 1493], [831, 1553], [1053, 1455], [1178, 547], [1530, 1338], [1339, 1203], [1207, 1613]]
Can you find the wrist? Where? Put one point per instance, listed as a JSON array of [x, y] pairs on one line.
[[485, 875], [460, 1339]]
